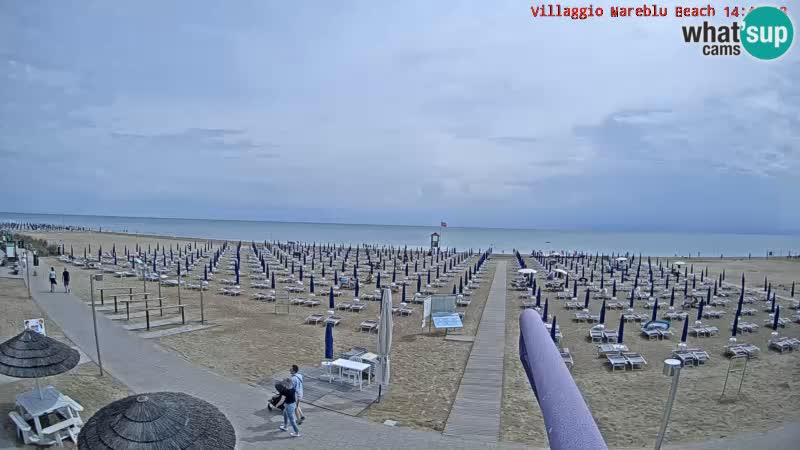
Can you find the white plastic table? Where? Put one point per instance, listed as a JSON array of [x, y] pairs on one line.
[[35, 406], [354, 365]]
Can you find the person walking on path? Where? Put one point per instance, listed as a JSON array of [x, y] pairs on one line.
[[65, 279], [52, 279], [289, 405], [297, 383]]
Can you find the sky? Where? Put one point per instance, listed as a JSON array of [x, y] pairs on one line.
[[411, 112]]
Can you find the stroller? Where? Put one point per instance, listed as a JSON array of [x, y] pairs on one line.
[[273, 403]]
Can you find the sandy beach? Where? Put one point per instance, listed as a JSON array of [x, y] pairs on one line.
[[251, 343], [83, 382]]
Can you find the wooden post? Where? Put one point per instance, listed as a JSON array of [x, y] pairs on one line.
[[202, 311]]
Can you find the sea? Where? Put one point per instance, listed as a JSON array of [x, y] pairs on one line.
[[500, 240]]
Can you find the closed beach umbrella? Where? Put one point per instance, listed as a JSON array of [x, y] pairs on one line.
[[355, 294], [330, 299], [700, 311], [544, 311], [70, 251], [159, 420], [672, 297], [311, 284], [272, 281], [301, 273], [419, 282], [735, 324], [655, 311], [621, 330], [429, 276], [685, 287], [630, 305], [378, 283], [776, 319], [603, 313], [385, 337], [586, 300], [205, 272], [403, 295], [685, 330], [575, 290], [553, 329], [33, 355], [772, 306], [454, 289], [614, 288]]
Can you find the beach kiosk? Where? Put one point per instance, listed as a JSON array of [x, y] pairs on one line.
[[434, 240]]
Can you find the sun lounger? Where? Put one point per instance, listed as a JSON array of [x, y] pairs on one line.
[[617, 361], [368, 326], [462, 301], [264, 297], [781, 345], [297, 301], [651, 333], [582, 317], [314, 319], [567, 357], [333, 319], [607, 349], [635, 360], [343, 306], [713, 314], [782, 322], [573, 305], [357, 307], [596, 336]]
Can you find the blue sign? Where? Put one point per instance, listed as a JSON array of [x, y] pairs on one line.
[[447, 321]]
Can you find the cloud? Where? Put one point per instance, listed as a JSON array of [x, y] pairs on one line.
[[366, 112]]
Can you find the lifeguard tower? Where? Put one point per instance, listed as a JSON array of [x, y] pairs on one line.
[[434, 240]]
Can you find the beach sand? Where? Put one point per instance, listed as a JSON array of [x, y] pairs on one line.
[[628, 406], [252, 343], [83, 383]]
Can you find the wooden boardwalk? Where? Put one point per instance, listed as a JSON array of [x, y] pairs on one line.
[[475, 414]]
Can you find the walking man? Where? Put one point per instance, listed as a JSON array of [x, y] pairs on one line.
[[65, 279], [297, 383]]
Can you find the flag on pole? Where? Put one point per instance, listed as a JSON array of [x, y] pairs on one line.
[[443, 225]]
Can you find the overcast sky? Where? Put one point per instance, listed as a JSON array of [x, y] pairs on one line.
[[405, 112]]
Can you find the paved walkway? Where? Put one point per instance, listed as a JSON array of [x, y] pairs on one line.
[[145, 367], [475, 414]]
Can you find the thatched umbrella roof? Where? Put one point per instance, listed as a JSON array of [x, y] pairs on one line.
[[33, 355], [158, 421]]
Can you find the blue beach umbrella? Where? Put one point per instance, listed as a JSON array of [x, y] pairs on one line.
[[205, 272], [621, 330], [311, 284], [685, 330], [301, 273], [378, 283], [394, 275], [574, 290], [403, 295], [538, 297], [429, 276], [735, 328], [357, 288], [614, 288], [700, 311], [329, 341], [772, 306], [544, 311], [655, 311], [419, 282], [775, 320], [330, 299], [603, 313], [272, 281], [630, 305], [454, 289], [685, 287], [672, 297], [553, 329], [586, 300]]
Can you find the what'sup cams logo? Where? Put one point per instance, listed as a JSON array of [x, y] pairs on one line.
[[766, 33]]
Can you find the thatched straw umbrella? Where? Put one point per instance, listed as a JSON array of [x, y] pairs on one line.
[[33, 355], [160, 420]]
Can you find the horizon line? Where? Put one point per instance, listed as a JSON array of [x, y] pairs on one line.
[[787, 233]]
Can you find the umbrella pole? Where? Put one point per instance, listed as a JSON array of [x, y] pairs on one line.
[[39, 388]]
